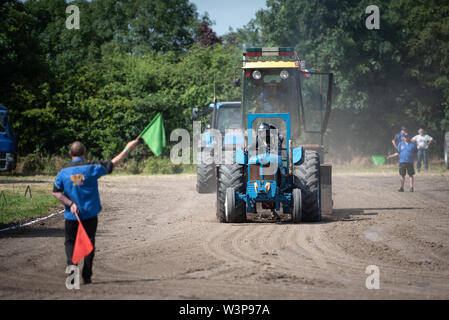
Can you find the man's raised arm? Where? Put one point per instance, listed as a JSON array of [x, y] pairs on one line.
[[129, 147]]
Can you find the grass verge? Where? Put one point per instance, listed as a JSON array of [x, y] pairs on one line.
[[17, 208]]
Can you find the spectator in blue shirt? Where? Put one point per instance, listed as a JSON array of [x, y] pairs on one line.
[[398, 137], [76, 186], [406, 152]]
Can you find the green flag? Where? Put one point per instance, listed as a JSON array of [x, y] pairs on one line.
[[154, 135]]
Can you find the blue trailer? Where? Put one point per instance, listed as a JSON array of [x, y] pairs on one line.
[[7, 142]]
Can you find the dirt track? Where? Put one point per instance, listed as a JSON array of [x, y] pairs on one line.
[[159, 239]]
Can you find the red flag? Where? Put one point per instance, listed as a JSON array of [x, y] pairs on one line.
[[83, 245]]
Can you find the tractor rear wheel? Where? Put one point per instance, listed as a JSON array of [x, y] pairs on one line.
[[205, 175], [307, 178], [230, 176], [296, 206]]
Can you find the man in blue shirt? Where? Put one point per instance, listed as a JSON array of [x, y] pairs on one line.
[[398, 137], [406, 152], [76, 186]]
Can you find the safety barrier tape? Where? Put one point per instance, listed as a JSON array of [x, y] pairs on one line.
[[31, 222]]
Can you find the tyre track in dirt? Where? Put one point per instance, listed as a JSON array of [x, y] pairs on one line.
[[408, 278], [159, 239]]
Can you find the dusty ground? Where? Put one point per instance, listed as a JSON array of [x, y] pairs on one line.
[[159, 239]]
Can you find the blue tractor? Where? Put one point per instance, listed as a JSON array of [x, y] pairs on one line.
[[285, 110], [225, 119], [7, 142]]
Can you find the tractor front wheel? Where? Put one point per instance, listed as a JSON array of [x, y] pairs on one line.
[[296, 206], [232, 212], [230, 176]]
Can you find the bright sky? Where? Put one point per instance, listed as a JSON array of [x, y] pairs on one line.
[[226, 13]]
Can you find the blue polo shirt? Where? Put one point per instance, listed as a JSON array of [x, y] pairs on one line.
[[79, 182], [406, 152], [398, 138]]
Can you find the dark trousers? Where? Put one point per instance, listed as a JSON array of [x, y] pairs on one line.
[[71, 229], [422, 156]]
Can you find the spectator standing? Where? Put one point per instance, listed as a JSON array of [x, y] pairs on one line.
[[422, 142], [398, 137], [406, 152]]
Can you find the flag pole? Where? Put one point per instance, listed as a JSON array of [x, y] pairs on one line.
[[77, 218]]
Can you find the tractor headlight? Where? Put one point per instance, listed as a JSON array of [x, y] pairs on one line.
[[9, 157], [284, 74], [257, 75]]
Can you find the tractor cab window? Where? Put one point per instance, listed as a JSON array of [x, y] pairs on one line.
[[229, 118], [270, 93], [314, 89], [2, 122]]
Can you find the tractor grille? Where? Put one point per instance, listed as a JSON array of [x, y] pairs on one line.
[[268, 177], [255, 172]]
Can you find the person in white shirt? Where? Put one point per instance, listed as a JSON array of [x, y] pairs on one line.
[[422, 142]]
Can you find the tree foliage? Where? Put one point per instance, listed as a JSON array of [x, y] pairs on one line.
[[131, 59], [103, 83], [386, 78], [207, 37]]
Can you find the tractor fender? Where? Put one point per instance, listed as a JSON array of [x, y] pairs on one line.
[[241, 157], [265, 158], [233, 138], [298, 155]]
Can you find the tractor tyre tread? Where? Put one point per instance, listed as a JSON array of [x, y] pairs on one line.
[[230, 176], [307, 178]]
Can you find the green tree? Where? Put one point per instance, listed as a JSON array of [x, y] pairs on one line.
[[383, 78], [65, 84]]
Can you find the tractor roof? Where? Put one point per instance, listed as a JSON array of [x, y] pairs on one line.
[[270, 58], [269, 64]]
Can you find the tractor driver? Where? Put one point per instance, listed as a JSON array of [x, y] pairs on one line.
[[270, 99], [271, 96]]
